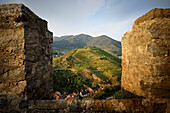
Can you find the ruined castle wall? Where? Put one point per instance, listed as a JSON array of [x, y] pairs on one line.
[[12, 67], [145, 56], [38, 54], [25, 55], [26, 66], [95, 106]]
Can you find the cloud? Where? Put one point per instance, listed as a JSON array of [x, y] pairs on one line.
[[115, 30], [75, 9], [64, 9], [72, 16], [94, 17], [124, 9]]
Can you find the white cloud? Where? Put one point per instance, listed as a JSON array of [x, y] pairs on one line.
[[76, 9], [71, 16], [95, 17], [115, 29]]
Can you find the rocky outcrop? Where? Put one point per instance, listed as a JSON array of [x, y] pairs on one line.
[[146, 57], [25, 55]]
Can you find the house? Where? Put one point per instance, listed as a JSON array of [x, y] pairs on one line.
[[57, 95], [89, 90]]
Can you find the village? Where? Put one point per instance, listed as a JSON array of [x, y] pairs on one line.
[[79, 95], [82, 94], [57, 53]]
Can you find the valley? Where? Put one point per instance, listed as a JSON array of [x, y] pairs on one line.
[[89, 67]]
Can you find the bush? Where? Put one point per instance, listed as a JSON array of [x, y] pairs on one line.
[[106, 92], [67, 81], [117, 95]]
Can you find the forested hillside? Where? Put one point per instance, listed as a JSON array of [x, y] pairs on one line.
[[86, 67], [70, 42]]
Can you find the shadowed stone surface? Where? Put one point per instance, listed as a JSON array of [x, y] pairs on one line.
[[104, 106], [25, 56], [145, 56]]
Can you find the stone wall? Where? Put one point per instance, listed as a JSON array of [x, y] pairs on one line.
[[93, 106], [26, 66], [38, 56], [25, 56], [100, 106], [145, 56]]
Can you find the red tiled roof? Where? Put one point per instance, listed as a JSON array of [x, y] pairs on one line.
[[69, 97]]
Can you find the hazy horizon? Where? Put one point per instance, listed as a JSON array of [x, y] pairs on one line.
[[92, 17]]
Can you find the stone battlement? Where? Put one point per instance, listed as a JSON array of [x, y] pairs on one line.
[[26, 80], [156, 13], [145, 56], [107, 106], [25, 53]]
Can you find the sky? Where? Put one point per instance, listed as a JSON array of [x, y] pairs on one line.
[[93, 17]]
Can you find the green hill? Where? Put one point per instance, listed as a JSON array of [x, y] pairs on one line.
[[70, 42], [86, 67]]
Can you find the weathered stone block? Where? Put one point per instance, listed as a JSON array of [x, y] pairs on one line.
[[145, 56], [25, 59]]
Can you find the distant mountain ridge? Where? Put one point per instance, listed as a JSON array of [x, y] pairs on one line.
[[70, 42]]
